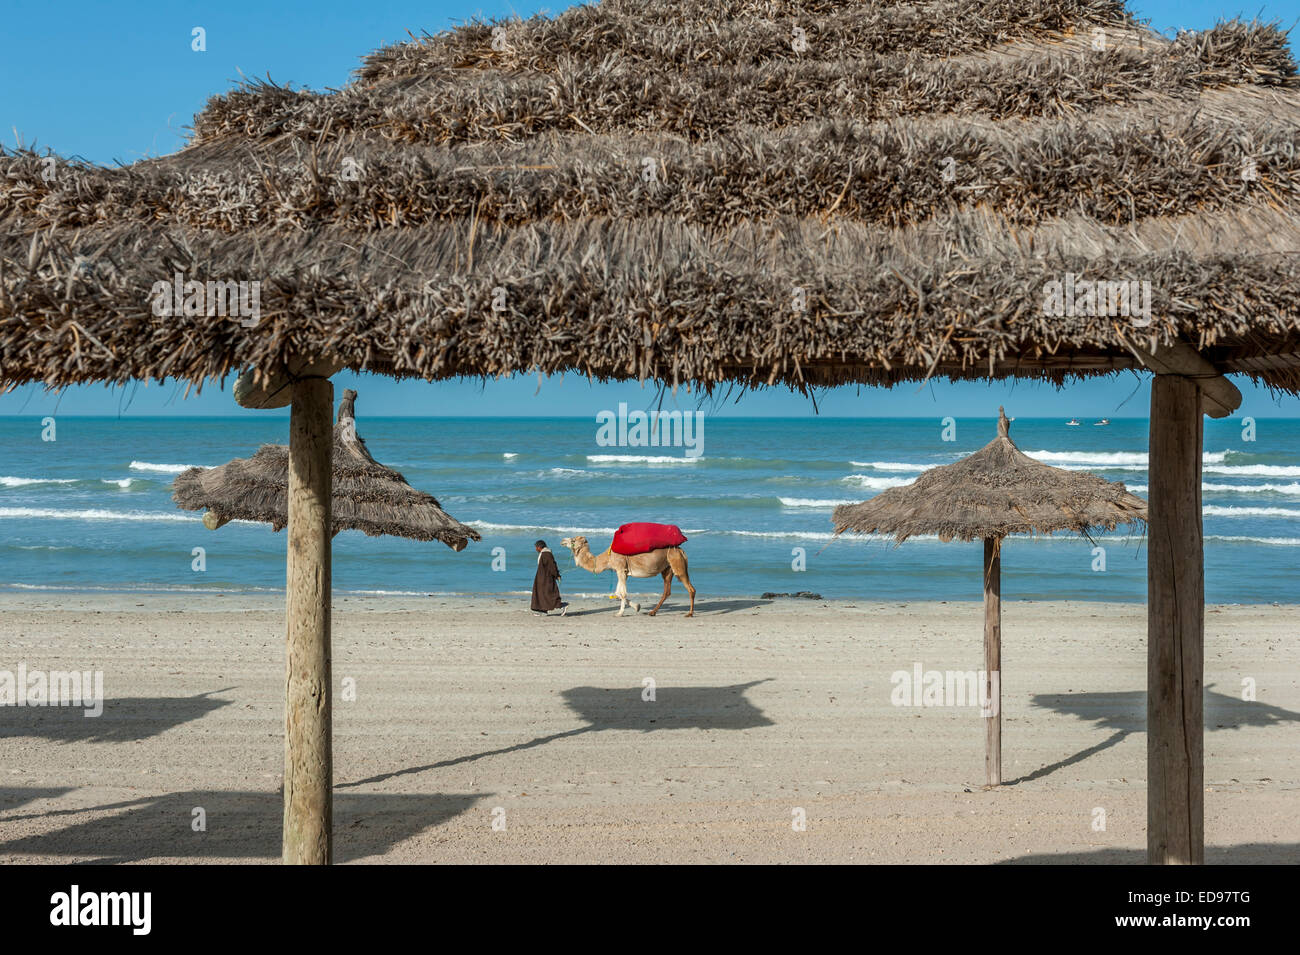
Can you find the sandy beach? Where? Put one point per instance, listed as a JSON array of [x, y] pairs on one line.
[[455, 712]]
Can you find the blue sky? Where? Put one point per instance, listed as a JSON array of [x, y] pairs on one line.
[[116, 82]]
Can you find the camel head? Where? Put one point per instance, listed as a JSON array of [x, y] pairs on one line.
[[575, 544], [582, 556]]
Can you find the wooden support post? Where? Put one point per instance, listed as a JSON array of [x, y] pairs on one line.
[[308, 757], [993, 660], [1219, 396], [1175, 626], [274, 387], [214, 523]]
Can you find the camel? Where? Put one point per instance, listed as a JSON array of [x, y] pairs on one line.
[[665, 561]]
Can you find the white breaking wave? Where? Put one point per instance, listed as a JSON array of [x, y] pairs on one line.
[[1256, 470], [145, 588], [162, 468], [507, 528], [640, 459], [1274, 541], [92, 514], [890, 466], [24, 482], [123, 484], [388, 593], [1101, 467], [876, 483], [1094, 458], [510, 454], [568, 471], [790, 535], [1101, 459], [1233, 488], [1251, 488], [1216, 511], [810, 502]]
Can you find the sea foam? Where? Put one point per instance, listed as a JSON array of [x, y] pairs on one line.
[[1216, 511], [891, 466], [876, 483], [162, 468], [1101, 459], [640, 459], [1234, 488], [1255, 470], [90, 514], [810, 502], [25, 482]]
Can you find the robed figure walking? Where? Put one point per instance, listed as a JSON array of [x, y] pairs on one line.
[[546, 586]]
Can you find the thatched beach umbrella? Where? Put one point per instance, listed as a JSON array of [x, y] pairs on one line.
[[997, 491], [311, 486], [366, 496], [705, 192]]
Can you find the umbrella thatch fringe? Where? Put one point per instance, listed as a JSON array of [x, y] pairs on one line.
[[593, 33], [367, 496], [610, 301], [885, 173], [635, 96], [992, 493]]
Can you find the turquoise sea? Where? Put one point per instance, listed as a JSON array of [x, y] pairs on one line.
[[92, 511]]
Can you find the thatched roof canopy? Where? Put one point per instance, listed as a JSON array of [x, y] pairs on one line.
[[367, 496], [797, 191], [996, 491]]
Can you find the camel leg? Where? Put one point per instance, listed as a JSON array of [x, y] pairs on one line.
[[668, 587], [621, 593], [678, 567]]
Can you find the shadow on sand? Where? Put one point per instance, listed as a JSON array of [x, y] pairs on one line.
[[14, 797], [672, 607], [124, 720], [722, 606], [622, 708], [1250, 853], [239, 825], [1125, 713]]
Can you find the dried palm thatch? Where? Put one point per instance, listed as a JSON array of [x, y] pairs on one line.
[[366, 495], [997, 491], [806, 192]]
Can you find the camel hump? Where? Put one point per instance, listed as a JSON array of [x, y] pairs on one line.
[[642, 538]]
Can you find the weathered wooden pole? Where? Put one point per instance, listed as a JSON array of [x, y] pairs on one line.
[[993, 661], [308, 754], [1185, 386], [1175, 626]]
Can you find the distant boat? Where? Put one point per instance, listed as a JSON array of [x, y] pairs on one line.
[[1073, 422], [1098, 424]]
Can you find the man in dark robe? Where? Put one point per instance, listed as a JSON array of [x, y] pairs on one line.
[[546, 587]]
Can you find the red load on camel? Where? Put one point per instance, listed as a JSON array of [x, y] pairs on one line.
[[632, 539]]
